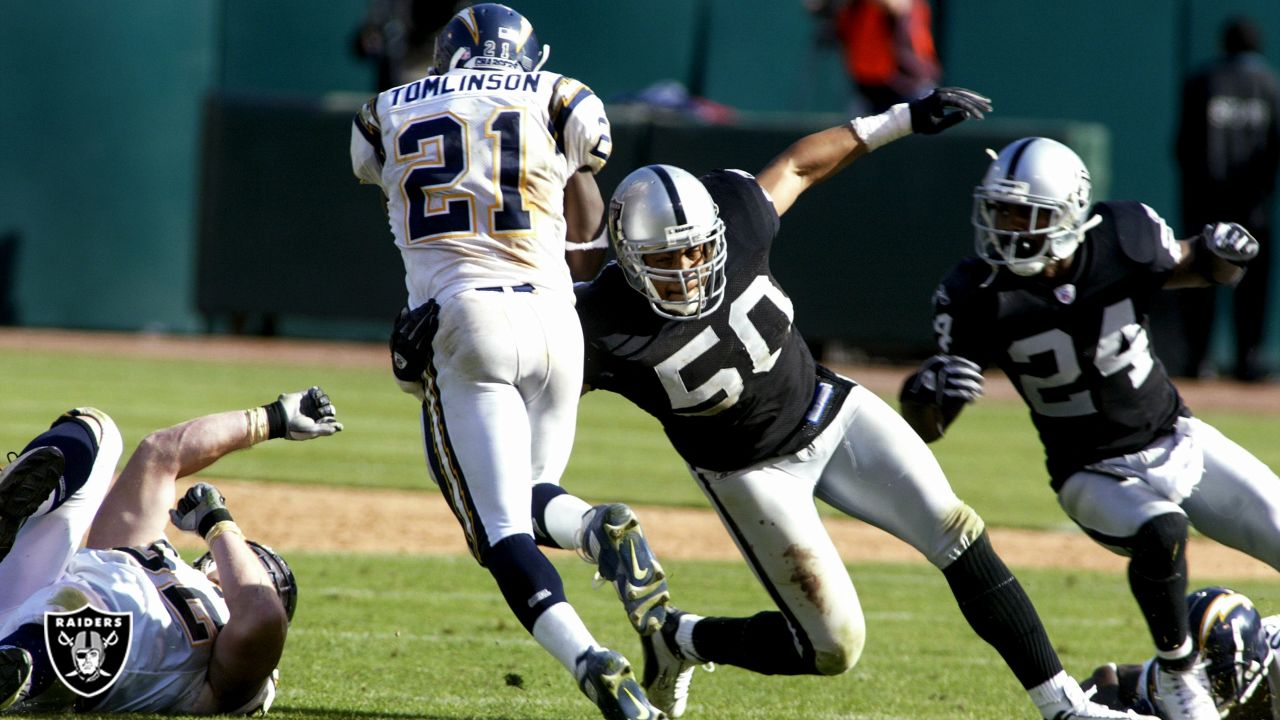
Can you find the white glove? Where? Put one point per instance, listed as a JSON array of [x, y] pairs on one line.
[[1230, 241], [308, 414], [951, 376]]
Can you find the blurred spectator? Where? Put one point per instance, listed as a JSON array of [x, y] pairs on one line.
[[1228, 150], [888, 47], [399, 37], [672, 96]]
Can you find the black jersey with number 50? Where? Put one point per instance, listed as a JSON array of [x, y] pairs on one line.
[[1076, 348], [730, 388]]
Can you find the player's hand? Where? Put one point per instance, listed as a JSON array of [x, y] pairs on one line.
[[945, 107], [1230, 241], [411, 346], [199, 509], [309, 414], [951, 376]]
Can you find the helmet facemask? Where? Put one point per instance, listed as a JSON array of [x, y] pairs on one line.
[[1231, 641], [640, 225]]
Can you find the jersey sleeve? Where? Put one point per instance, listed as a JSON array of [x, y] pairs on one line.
[[959, 322], [579, 125], [744, 206], [1145, 238], [367, 153]]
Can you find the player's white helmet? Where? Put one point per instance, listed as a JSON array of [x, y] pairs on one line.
[[661, 209], [1046, 183]]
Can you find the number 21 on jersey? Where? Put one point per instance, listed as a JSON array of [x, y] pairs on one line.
[[443, 183]]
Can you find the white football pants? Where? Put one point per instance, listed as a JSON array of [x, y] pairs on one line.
[[1236, 501], [868, 464], [48, 539], [501, 406]]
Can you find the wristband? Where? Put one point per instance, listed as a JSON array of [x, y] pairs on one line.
[[222, 527], [212, 518], [258, 428], [277, 423], [876, 131], [599, 243]]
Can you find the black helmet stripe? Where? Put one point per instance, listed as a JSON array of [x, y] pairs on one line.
[[1017, 156], [670, 186]]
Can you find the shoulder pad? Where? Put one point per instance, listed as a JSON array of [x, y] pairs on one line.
[[1142, 234], [962, 283]]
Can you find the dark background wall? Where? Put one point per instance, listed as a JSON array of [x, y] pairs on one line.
[[104, 186]]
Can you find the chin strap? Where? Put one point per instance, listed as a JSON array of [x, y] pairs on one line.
[[546, 55]]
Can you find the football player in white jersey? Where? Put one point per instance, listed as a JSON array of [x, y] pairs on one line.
[[1240, 650], [488, 169], [207, 637]]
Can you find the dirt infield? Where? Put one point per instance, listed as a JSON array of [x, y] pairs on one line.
[[338, 519]]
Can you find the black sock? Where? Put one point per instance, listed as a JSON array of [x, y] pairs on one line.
[[762, 643], [1158, 580], [1000, 612]]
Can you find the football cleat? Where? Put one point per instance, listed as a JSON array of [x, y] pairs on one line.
[[1071, 703], [607, 679], [1184, 695], [24, 484], [15, 675], [667, 672], [613, 540]]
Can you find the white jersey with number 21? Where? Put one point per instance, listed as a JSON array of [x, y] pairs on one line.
[[474, 165]]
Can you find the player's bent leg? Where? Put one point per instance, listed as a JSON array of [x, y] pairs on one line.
[[25, 483], [820, 629], [1237, 502]]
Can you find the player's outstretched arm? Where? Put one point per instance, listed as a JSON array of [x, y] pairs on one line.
[[135, 511], [1217, 256], [248, 648], [816, 157]]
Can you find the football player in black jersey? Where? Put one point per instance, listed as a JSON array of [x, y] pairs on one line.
[[1058, 298], [690, 324]]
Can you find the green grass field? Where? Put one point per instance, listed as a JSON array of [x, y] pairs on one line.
[[429, 637]]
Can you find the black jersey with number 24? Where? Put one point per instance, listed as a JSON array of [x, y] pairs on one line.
[[1077, 348], [733, 387]]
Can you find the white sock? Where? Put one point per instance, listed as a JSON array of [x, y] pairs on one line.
[[1180, 653], [562, 633], [684, 637], [1061, 689], [563, 516]]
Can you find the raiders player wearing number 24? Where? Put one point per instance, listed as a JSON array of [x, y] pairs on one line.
[[691, 325], [1058, 298]]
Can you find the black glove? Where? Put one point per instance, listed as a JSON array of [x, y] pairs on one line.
[[411, 345], [945, 107], [200, 509], [1230, 241]]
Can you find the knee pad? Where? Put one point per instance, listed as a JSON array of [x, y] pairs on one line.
[[528, 581], [1159, 549]]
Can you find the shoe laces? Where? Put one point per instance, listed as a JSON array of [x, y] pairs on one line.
[[1189, 688]]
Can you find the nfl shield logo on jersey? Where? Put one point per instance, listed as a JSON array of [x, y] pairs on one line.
[[88, 647], [1066, 294]]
